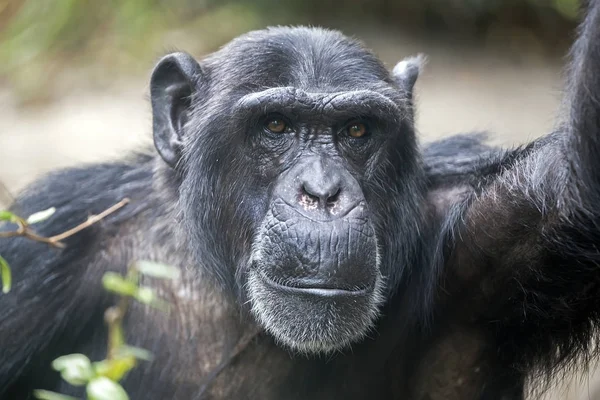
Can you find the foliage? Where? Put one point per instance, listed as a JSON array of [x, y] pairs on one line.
[[7, 216], [41, 38], [101, 378]]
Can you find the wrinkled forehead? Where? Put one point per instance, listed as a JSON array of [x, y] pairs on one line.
[[308, 59]]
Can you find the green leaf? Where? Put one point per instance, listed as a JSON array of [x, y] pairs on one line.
[[47, 395], [6, 275], [104, 389], [146, 295], [40, 216], [157, 270], [116, 283], [114, 369], [125, 287], [74, 368], [8, 216], [132, 351]]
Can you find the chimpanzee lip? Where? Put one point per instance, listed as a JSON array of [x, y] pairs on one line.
[[322, 291], [358, 207]]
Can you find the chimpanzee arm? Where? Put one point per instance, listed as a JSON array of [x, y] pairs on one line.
[[57, 293], [524, 250]]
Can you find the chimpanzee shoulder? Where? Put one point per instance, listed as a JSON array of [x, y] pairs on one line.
[[467, 158], [79, 192]]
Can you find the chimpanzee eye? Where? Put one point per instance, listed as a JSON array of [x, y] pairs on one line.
[[357, 130], [276, 125]]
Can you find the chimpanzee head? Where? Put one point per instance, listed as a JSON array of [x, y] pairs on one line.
[[300, 177]]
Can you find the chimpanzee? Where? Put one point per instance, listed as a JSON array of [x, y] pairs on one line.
[[323, 254]]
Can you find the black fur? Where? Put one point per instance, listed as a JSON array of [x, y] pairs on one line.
[[489, 257]]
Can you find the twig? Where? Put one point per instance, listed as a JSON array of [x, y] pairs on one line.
[[113, 317], [90, 221], [25, 231]]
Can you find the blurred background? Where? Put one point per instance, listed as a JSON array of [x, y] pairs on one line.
[[74, 73]]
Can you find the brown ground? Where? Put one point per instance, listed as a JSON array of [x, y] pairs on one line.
[[514, 94]]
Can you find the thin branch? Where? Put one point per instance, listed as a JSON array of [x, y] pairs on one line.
[[90, 221], [31, 235], [25, 231], [11, 234], [113, 317]]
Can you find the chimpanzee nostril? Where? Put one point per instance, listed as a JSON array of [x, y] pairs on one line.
[[333, 199], [309, 195]]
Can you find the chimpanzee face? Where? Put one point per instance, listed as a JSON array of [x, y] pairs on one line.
[[293, 146]]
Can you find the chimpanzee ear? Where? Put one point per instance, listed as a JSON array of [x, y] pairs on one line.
[[174, 81], [406, 72]]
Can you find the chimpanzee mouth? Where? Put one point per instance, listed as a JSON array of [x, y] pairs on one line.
[[314, 319], [315, 285], [334, 213], [322, 289]]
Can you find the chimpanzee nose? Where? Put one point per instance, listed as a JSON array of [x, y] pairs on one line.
[[324, 189], [321, 189], [325, 193]]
